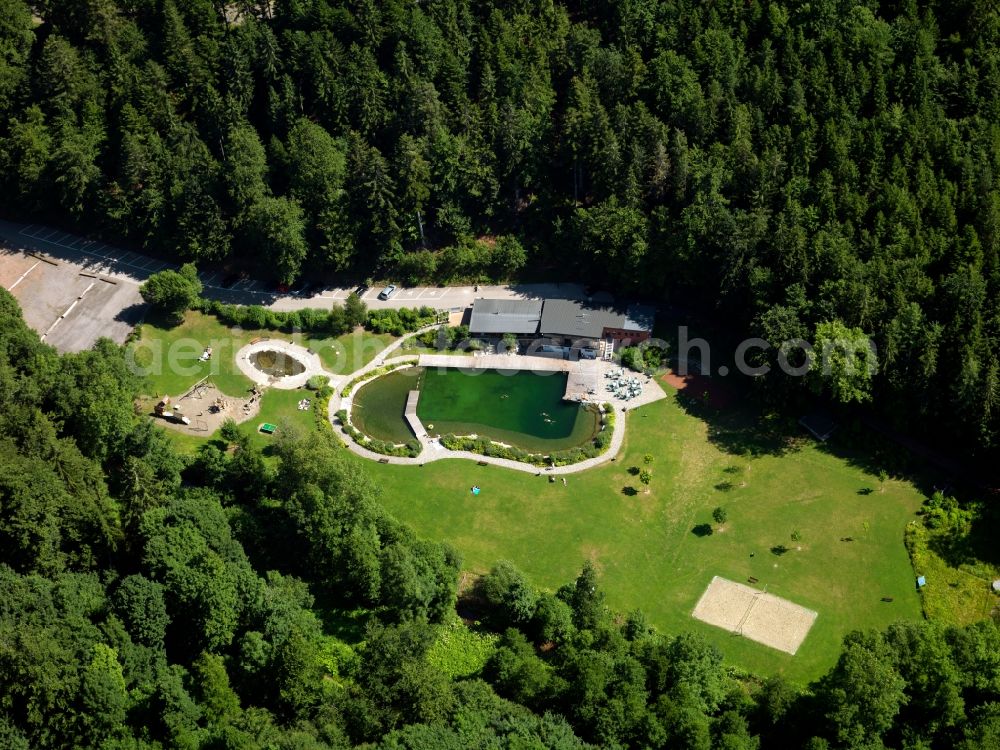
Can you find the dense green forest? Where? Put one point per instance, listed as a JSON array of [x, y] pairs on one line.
[[148, 600], [154, 601], [780, 164]]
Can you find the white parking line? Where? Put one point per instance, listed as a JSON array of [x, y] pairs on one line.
[[47, 235], [68, 310], [21, 277], [208, 279], [25, 230]]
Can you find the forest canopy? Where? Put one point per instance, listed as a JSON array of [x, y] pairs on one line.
[[150, 600], [784, 165]]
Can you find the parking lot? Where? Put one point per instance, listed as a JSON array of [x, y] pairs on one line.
[[74, 289], [69, 305]]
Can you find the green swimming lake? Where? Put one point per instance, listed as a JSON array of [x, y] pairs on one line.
[[524, 409], [378, 407]]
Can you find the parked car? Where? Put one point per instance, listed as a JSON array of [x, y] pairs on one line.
[[232, 280], [360, 291], [387, 292]]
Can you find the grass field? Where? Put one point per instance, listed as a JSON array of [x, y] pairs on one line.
[[169, 354], [652, 550]]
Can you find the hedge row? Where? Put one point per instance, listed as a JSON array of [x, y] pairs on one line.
[[486, 447], [410, 450], [402, 321], [311, 320], [376, 373], [334, 321]]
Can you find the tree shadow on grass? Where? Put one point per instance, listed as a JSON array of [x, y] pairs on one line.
[[743, 432], [629, 491], [702, 530], [968, 546]]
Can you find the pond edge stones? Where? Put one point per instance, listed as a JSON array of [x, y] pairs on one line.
[[308, 359]]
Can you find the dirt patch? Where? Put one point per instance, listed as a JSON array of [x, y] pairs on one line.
[[207, 407], [759, 616], [592, 553], [701, 388]]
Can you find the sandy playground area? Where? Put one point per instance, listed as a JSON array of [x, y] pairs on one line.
[[207, 407], [753, 613]]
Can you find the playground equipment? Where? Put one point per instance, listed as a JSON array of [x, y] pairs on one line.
[[197, 390], [255, 394], [170, 412]]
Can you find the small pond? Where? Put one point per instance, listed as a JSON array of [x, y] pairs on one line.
[[277, 364], [378, 407], [524, 409]]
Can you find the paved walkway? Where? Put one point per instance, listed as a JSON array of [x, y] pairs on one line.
[[308, 359], [431, 448]]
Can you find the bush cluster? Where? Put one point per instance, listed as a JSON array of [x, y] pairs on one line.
[[410, 449], [445, 338], [486, 447], [401, 321], [643, 358], [311, 320], [335, 321], [376, 373]]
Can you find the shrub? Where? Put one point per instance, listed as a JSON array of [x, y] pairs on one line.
[[254, 316], [173, 292], [316, 382]]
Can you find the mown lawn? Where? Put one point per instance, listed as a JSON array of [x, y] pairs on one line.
[[646, 548], [277, 407], [280, 408], [169, 354]]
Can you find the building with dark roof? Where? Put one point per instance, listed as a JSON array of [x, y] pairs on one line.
[[574, 320], [562, 327], [500, 316]]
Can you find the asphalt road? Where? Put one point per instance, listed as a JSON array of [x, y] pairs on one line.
[[129, 267]]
